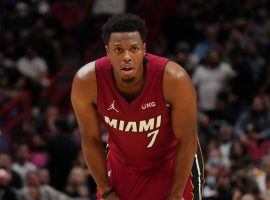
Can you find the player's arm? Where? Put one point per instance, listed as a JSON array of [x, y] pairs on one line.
[[83, 98], [180, 94]]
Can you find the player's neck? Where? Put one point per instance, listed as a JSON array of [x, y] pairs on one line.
[[131, 90], [130, 93]]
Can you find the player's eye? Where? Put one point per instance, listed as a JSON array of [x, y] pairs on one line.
[[117, 50], [134, 49]]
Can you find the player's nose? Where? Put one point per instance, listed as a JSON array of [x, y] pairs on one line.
[[126, 57]]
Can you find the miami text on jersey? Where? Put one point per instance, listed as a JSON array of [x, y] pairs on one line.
[[132, 126]]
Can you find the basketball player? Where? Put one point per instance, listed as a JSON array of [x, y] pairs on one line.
[[148, 105]]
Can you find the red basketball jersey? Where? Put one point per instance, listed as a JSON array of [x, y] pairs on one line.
[[140, 133]]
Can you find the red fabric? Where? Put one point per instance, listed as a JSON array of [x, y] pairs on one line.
[[151, 184], [130, 147], [188, 193], [137, 171], [257, 150]]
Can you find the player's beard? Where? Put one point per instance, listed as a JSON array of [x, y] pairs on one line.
[[128, 80]]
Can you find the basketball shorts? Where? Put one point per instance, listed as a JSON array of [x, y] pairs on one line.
[[154, 184]]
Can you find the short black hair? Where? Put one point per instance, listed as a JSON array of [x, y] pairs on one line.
[[123, 23]]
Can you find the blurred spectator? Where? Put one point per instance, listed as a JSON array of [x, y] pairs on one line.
[[44, 176], [214, 159], [205, 128], [210, 188], [22, 165], [242, 85], [6, 192], [246, 189], [238, 156], [62, 151], [34, 190], [248, 197], [225, 143], [266, 192], [224, 187], [33, 67], [10, 79], [80, 163], [35, 71], [254, 123], [209, 44], [103, 7], [257, 63], [45, 123], [182, 56], [77, 183], [226, 108], [262, 176], [43, 7], [236, 38], [9, 45], [210, 79], [6, 163], [41, 37], [38, 153], [22, 18]]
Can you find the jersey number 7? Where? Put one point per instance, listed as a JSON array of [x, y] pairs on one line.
[[153, 139]]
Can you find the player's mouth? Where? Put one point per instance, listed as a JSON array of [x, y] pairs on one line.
[[127, 70]]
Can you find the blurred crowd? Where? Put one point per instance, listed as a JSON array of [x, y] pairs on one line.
[[223, 44]]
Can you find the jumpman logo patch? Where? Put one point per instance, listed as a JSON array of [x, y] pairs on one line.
[[112, 107]]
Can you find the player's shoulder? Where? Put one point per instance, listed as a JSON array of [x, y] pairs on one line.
[[86, 73], [176, 81], [174, 72], [84, 87]]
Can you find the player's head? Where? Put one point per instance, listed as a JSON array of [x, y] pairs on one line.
[[123, 23], [124, 37]]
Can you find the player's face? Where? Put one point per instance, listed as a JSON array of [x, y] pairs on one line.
[[126, 52]]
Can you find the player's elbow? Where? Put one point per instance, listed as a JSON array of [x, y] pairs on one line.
[[188, 143], [191, 141], [188, 137], [90, 141]]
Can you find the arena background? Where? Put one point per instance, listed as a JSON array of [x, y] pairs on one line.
[[223, 44]]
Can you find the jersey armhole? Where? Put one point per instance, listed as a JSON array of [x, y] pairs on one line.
[[167, 105]]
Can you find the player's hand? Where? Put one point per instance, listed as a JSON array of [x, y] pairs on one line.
[[112, 196]]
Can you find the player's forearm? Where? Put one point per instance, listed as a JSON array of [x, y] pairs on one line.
[[96, 161], [185, 154]]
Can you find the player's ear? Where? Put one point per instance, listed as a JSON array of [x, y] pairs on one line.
[[107, 50]]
